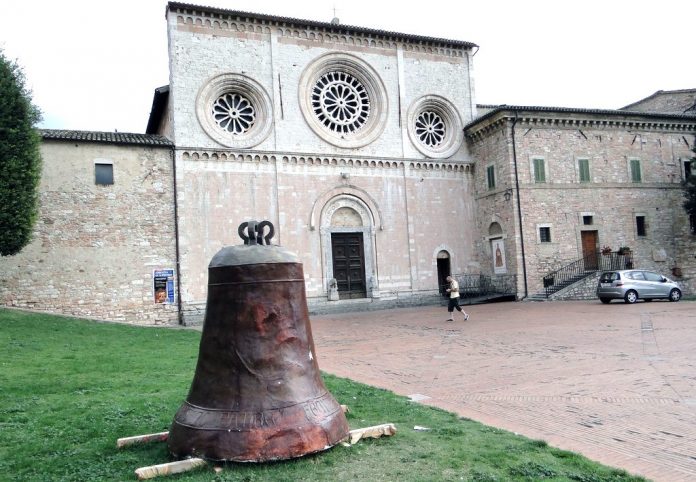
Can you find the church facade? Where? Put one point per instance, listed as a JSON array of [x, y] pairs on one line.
[[367, 152]]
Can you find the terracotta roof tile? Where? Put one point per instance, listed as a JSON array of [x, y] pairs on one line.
[[106, 137]]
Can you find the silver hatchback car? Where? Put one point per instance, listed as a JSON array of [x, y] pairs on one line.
[[634, 284]]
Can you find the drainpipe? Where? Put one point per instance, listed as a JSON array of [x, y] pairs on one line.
[[519, 208], [176, 243]]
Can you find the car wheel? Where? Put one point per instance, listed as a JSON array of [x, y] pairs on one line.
[[631, 296], [674, 295], [605, 300]]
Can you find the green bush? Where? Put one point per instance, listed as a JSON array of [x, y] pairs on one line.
[[20, 160]]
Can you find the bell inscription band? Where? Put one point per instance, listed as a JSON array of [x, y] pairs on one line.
[[257, 394]]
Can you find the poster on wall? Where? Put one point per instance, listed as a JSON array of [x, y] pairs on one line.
[[498, 250], [163, 285]]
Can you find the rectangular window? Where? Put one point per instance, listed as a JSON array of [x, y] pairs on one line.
[[640, 225], [490, 176], [584, 169], [687, 169], [104, 174], [587, 220], [635, 171], [545, 234], [539, 171]]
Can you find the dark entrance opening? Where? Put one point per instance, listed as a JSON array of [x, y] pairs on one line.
[[443, 271], [349, 264]]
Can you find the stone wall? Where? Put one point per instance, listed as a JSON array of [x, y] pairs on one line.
[[413, 211], [275, 57], [95, 247]]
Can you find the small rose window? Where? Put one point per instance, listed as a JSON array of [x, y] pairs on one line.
[[430, 128], [435, 127], [234, 110], [234, 113]]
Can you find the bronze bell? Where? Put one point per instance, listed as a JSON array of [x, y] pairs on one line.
[[257, 394]]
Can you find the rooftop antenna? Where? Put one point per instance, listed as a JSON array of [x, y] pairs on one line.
[[335, 20]]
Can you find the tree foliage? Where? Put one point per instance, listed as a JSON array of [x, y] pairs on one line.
[[690, 190], [20, 159]]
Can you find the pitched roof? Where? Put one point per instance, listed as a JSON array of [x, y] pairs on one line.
[[608, 113], [159, 105], [126, 138], [673, 101], [330, 27]]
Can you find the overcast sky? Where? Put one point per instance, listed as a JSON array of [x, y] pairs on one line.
[[94, 64]]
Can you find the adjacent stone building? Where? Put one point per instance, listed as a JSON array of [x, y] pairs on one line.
[[106, 224], [367, 152], [556, 185]]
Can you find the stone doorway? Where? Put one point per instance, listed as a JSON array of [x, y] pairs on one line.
[[349, 264], [348, 247]]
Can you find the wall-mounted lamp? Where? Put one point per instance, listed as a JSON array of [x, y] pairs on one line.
[[345, 175], [508, 194]]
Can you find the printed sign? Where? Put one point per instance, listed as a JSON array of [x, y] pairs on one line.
[[163, 285]]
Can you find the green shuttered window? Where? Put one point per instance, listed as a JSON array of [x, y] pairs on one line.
[[635, 171], [539, 171], [584, 169]]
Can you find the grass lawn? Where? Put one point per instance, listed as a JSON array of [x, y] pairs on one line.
[[69, 388]]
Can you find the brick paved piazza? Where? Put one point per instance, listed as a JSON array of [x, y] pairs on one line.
[[615, 382]]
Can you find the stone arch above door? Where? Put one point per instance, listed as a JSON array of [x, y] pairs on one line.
[[347, 213], [334, 193]]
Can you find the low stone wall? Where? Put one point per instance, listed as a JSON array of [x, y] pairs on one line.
[[585, 289]]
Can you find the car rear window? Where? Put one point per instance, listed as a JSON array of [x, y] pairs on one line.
[[609, 277]]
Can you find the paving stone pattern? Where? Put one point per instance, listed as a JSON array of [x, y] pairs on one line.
[[613, 382]]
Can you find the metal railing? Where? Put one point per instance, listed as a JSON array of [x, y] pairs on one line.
[[481, 285], [583, 267]]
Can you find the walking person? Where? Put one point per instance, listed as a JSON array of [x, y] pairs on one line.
[[453, 291]]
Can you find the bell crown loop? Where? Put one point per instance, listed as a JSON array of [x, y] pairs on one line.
[[254, 232], [257, 248]]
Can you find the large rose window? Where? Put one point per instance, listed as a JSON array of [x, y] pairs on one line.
[[343, 100], [340, 102]]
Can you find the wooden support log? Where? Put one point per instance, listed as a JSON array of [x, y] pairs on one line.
[[139, 439], [171, 468], [376, 431]]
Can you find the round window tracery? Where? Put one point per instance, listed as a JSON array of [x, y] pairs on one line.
[[343, 100], [430, 128], [435, 127], [234, 113], [234, 110]]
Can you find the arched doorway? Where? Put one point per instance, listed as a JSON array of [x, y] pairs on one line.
[[347, 234], [444, 269]]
